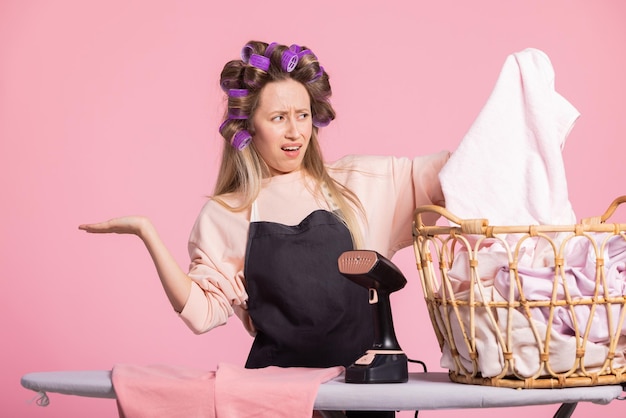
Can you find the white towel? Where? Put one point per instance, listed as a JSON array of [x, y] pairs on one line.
[[508, 168]]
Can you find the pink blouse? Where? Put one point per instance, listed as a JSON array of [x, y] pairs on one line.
[[389, 189]]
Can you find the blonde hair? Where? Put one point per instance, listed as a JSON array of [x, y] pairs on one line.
[[241, 171]]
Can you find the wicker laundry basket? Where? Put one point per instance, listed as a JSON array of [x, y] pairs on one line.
[[557, 322]]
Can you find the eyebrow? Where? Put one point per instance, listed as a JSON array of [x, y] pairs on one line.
[[283, 111]]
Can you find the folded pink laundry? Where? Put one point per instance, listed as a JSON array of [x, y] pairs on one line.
[[230, 392], [282, 392], [163, 391]]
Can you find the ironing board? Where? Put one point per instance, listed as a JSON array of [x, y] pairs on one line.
[[423, 391]]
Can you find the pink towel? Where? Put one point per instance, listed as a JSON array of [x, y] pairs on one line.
[[230, 392], [508, 168], [163, 391], [270, 392]]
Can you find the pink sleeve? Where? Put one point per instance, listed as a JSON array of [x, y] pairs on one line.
[[426, 185], [216, 248], [390, 189], [416, 183]]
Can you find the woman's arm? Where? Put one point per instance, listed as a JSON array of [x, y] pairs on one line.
[[175, 281]]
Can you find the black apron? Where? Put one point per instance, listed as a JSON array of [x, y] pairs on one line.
[[306, 313]]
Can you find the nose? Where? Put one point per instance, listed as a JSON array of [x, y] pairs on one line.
[[292, 129]]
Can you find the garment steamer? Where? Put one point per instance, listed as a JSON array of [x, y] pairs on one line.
[[385, 362]]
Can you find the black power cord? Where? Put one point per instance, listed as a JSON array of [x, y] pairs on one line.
[[419, 362], [425, 370]]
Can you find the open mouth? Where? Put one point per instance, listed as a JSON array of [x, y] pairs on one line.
[[291, 148]]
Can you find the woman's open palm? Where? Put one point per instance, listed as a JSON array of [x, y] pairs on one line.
[[122, 225]]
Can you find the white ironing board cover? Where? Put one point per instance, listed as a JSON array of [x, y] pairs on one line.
[[423, 391], [87, 383]]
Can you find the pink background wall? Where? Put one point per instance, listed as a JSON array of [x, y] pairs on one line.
[[111, 107]]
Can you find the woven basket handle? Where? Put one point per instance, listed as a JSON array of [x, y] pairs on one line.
[[481, 226], [609, 212], [468, 226]]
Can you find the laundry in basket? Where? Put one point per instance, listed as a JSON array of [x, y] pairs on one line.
[[526, 306]]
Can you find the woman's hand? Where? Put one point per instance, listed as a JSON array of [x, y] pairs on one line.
[[176, 283], [136, 225]]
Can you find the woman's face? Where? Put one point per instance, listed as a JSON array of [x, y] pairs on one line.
[[283, 125]]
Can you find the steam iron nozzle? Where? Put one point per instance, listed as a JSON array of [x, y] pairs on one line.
[[371, 270]]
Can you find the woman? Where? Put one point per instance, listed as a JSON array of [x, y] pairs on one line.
[[265, 246]]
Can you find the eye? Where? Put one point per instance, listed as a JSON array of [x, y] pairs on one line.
[[278, 118], [304, 115]]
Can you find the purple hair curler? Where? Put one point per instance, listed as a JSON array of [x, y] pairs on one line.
[[317, 75], [270, 48], [260, 62], [228, 84], [289, 60], [321, 122], [236, 113], [241, 139], [246, 52], [223, 125], [237, 92], [304, 52]]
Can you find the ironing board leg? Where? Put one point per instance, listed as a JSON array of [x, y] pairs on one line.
[[565, 410]]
